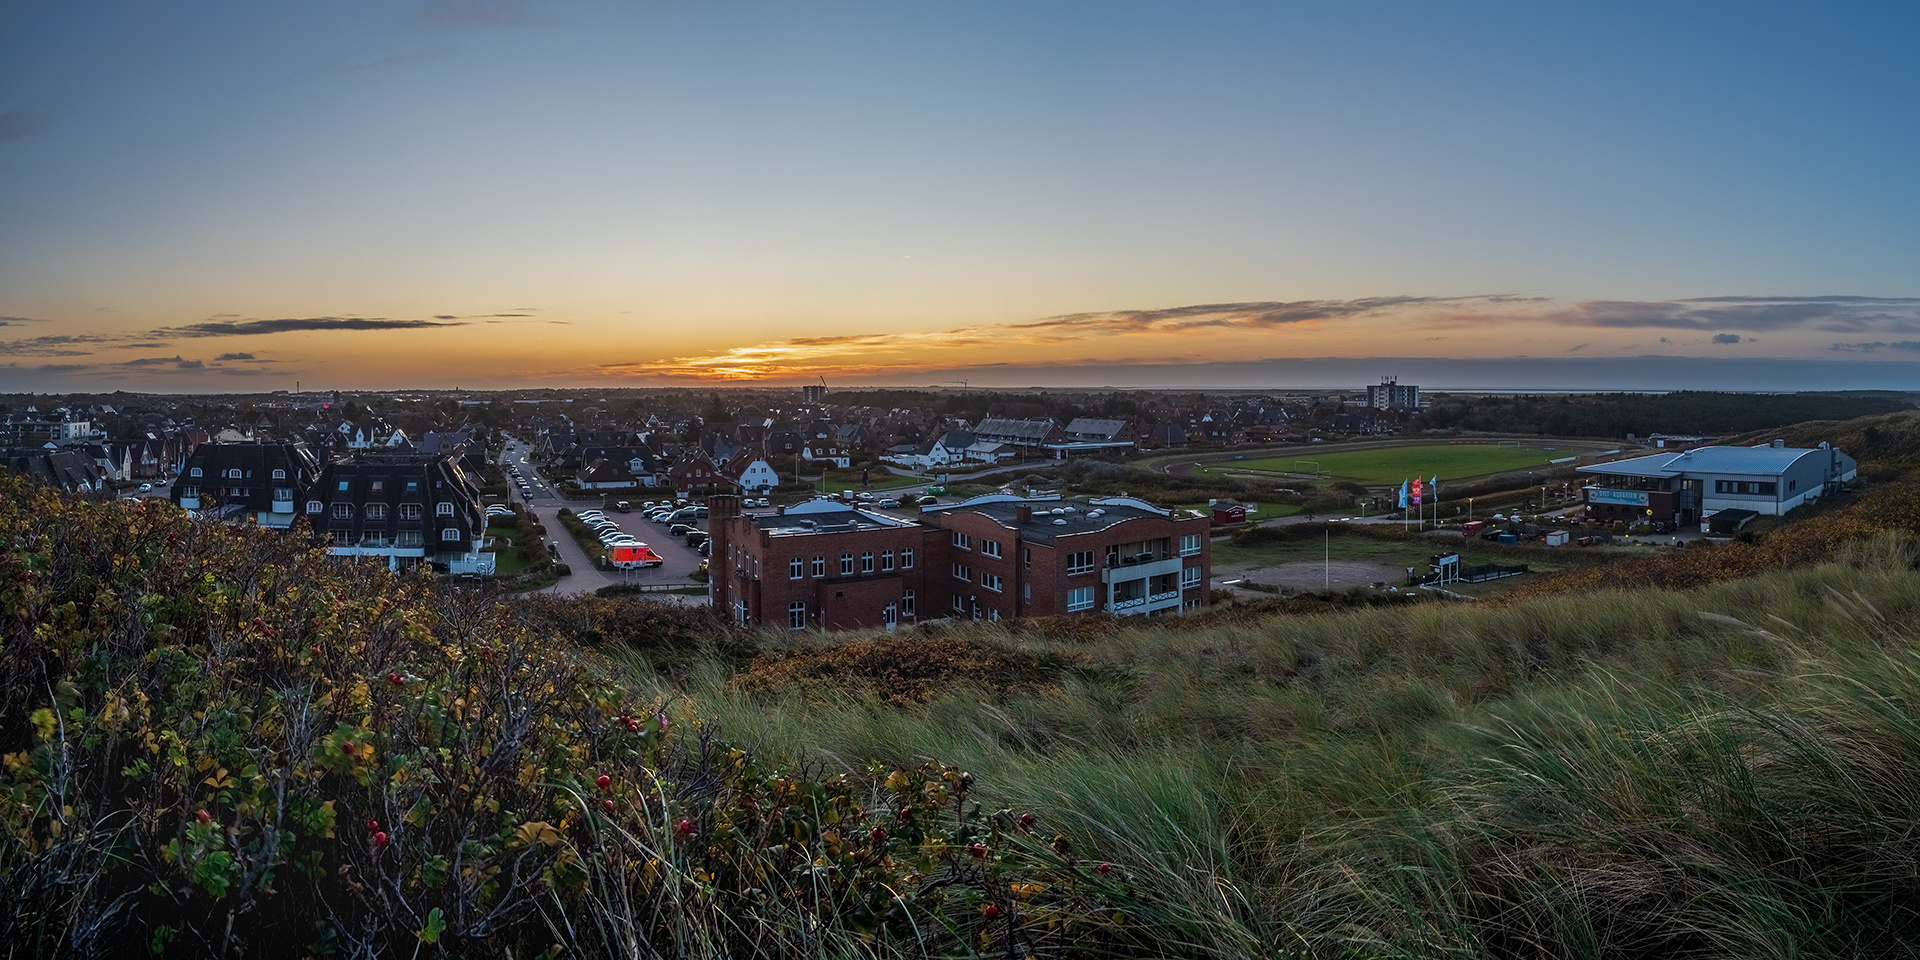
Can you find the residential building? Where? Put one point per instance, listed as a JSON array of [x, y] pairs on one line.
[[826, 565], [1694, 484], [1391, 394], [69, 470], [257, 482], [403, 508], [750, 474]]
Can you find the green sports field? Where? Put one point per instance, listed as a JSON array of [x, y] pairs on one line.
[[1394, 464]]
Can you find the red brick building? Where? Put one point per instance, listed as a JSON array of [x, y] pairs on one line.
[[825, 565]]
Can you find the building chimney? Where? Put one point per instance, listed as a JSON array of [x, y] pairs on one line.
[[1023, 514]]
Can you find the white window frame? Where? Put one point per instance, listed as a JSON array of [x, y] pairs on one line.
[[1080, 598], [233, 473], [990, 548], [443, 509], [376, 511], [886, 561], [410, 511], [819, 566], [797, 615], [279, 474], [449, 534], [343, 511], [990, 581], [906, 558], [1075, 566], [315, 506], [193, 471], [962, 541], [906, 602], [866, 561], [846, 564], [963, 572], [796, 569], [1189, 544], [1189, 578]]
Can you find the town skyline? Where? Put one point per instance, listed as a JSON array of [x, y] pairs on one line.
[[499, 194]]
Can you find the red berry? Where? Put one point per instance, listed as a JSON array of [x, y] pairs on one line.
[[604, 781], [203, 816], [991, 912], [606, 805], [906, 813], [979, 850], [346, 747], [396, 679], [315, 649], [373, 825], [1026, 821], [879, 834], [380, 839], [1105, 868], [684, 828]]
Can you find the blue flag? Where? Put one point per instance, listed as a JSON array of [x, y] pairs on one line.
[[1433, 488], [1403, 494]]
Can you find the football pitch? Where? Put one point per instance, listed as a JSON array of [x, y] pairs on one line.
[[1393, 464]]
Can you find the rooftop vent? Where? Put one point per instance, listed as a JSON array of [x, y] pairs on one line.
[[1059, 523]]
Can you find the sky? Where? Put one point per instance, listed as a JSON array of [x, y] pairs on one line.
[[487, 194]]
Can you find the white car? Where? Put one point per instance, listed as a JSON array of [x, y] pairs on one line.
[[887, 504]]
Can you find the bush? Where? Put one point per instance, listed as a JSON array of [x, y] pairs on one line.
[[215, 739]]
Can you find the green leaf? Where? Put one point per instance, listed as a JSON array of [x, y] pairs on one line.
[[436, 925]]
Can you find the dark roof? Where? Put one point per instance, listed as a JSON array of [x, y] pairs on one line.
[[1051, 518]]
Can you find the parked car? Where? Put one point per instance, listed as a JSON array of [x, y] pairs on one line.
[[888, 504], [678, 530], [623, 507], [696, 537], [706, 549]]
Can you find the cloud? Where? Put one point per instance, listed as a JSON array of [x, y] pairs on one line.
[[62, 367], [244, 328], [20, 123], [1845, 314], [1872, 345], [234, 356], [153, 345], [482, 13], [175, 362], [53, 345], [16, 321], [1718, 317]]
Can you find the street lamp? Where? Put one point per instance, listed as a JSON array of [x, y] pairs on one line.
[[1469, 509]]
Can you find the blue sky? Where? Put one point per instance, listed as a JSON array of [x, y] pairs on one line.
[[236, 196]]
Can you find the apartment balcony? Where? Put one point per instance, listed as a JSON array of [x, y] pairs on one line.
[[1139, 569]]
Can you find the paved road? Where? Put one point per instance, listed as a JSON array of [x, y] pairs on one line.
[[545, 504]]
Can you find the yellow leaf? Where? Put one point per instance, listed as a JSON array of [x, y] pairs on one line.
[[536, 831]]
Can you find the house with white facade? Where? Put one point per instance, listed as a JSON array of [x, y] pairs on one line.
[[1692, 485]]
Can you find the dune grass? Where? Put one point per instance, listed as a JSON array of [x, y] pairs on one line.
[[1712, 772]]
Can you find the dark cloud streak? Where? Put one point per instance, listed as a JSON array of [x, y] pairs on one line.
[[246, 328]]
